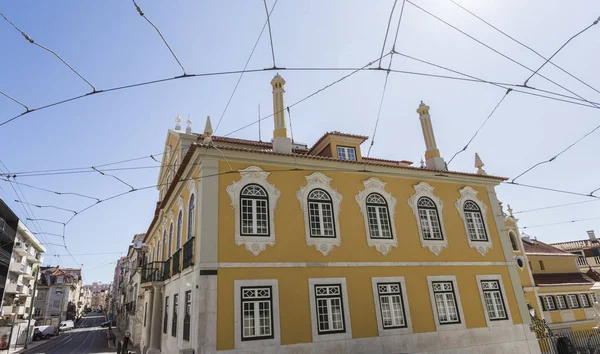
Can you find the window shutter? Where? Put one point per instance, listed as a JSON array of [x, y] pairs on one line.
[[543, 303]]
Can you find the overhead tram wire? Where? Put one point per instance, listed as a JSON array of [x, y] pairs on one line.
[[30, 40], [246, 64], [48, 190], [551, 189], [555, 206], [139, 10], [45, 206], [113, 176], [561, 48], [561, 223], [481, 126], [387, 31], [496, 51], [270, 33], [387, 73], [525, 46], [14, 100]]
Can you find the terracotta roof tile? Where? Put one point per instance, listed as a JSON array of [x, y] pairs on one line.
[[541, 248], [593, 274], [553, 279], [336, 133]]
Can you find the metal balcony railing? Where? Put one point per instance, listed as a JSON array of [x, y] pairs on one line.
[[188, 253], [176, 262], [153, 272], [167, 269], [7, 230]]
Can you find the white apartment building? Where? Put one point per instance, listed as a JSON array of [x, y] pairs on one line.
[[57, 294]]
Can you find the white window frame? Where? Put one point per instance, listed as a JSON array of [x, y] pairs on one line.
[[587, 300], [407, 318], [494, 322], [178, 228], [316, 337], [593, 299], [60, 279], [569, 298], [191, 219], [511, 232], [561, 305], [423, 189], [438, 325], [318, 180], [469, 194], [547, 303], [345, 152], [253, 175], [375, 185], [256, 343]]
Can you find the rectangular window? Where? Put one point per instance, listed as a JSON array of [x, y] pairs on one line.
[[494, 301], [321, 219], [572, 301], [257, 315], [542, 265], [175, 311], [37, 312], [560, 301], [187, 315], [391, 303], [445, 300], [166, 316], [593, 298], [549, 302], [585, 302], [330, 312], [56, 304], [145, 312], [254, 217], [379, 222], [430, 224], [346, 153]]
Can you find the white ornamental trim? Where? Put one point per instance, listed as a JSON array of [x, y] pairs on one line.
[[254, 175], [423, 189], [468, 193], [318, 180], [375, 185]]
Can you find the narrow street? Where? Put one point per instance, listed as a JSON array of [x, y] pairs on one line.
[[87, 337]]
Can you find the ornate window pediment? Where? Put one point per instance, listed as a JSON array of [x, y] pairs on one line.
[[321, 206], [378, 208], [254, 201], [473, 212], [428, 212]]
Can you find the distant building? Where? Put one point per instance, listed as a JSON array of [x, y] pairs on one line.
[[58, 293], [587, 250], [97, 295]]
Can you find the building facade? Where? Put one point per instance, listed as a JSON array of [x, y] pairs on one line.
[[57, 296], [97, 295], [588, 251], [8, 232], [277, 247]]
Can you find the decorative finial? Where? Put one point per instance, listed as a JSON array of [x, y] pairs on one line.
[[423, 109], [208, 131], [479, 165], [510, 210], [277, 79], [178, 121], [188, 126], [422, 163]]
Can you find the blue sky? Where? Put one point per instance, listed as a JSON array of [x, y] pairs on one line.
[[111, 45]]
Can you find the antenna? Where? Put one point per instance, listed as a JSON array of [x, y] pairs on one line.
[[259, 139]]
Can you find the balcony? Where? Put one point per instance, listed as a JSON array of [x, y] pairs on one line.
[[188, 253], [28, 276], [18, 268], [31, 257], [585, 262], [20, 249], [17, 310], [153, 272], [176, 262], [40, 258], [19, 289], [167, 269], [6, 230]]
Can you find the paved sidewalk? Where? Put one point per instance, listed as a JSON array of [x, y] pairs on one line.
[[118, 338], [31, 345]]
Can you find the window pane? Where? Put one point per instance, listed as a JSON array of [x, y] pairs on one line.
[[373, 224], [336, 313], [489, 304], [327, 219], [265, 318], [315, 219], [247, 224], [386, 313], [248, 318], [322, 314], [261, 217], [499, 305], [384, 222], [398, 316], [435, 224], [451, 305], [441, 308], [425, 224]]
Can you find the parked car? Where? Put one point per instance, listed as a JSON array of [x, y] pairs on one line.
[[45, 332], [67, 325]]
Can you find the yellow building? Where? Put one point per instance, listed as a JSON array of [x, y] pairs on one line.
[[280, 247], [553, 283]]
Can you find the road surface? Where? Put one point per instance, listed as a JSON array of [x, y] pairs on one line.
[[87, 337]]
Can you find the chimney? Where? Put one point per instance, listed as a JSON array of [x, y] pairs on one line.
[[281, 136], [592, 236], [433, 160]]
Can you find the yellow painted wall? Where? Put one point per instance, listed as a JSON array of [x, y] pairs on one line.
[[562, 264], [289, 223], [335, 143], [532, 300], [294, 308]]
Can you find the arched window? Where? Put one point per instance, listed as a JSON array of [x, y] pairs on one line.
[[254, 215], [379, 217], [179, 226], [191, 217], [430, 220], [320, 208], [513, 241], [474, 221], [170, 239], [164, 241]]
